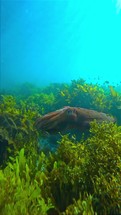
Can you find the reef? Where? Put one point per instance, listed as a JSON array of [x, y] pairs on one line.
[[82, 175]]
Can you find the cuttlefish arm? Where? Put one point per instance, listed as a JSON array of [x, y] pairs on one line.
[[69, 118], [85, 116], [56, 120]]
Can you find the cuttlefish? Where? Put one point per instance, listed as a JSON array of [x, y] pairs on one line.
[[70, 118]]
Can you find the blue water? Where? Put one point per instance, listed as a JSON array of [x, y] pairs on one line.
[[47, 41]]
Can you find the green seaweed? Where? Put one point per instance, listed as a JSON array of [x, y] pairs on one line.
[[79, 178], [17, 126], [92, 166], [83, 176], [19, 192]]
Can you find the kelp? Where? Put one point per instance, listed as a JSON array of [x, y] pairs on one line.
[[19, 192], [115, 100], [17, 126], [82, 176], [92, 166], [81, 206], [105, 98]]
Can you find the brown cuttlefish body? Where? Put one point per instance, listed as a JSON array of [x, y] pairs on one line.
[[70, 118]]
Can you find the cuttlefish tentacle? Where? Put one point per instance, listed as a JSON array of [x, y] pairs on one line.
[[51, 120], [90, 115], [46, 118]]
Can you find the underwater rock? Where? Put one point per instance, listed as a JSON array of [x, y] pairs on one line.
[[70, 118]]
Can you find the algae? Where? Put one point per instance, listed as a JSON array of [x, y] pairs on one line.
[[82, 176]]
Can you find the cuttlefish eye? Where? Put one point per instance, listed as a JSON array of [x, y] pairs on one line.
[[69, 112]]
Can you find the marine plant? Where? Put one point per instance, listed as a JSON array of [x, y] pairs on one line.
[[16, 126], [82, 176], [20, 192], [41, 102], [81, 94], [81, 206], [88, 95], [92, 166], [115, 102]]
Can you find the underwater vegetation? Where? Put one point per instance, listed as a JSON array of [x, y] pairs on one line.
[[16, 127], [82, 176]]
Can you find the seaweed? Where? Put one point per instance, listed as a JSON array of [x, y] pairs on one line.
[[17, 126], [92, 166], [19, 192], [81, 176]]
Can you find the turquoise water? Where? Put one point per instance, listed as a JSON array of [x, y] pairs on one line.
[[60, 92], [49, 41]]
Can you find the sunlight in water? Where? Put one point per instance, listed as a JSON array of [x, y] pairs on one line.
[[57, 41]]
